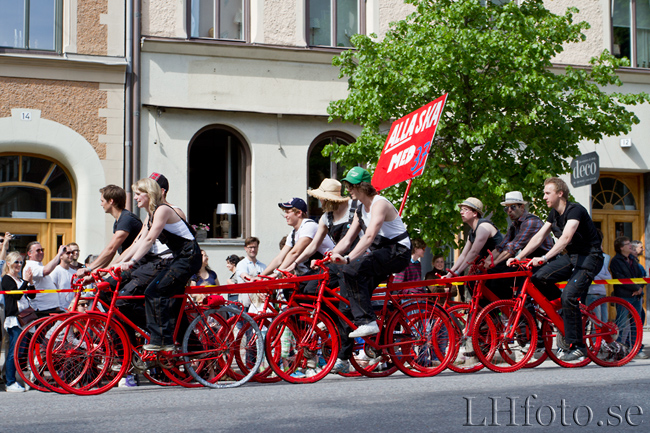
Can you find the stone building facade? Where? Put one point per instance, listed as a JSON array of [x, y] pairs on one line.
[[62, 74]]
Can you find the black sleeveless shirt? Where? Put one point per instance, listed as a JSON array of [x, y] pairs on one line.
[[491, 242]]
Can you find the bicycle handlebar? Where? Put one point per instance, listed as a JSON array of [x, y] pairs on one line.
[[327, 258], [286, 274], [523, 264]]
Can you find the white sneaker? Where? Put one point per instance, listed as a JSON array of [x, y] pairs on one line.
[[341, 366], [365, 330], [15, 387]]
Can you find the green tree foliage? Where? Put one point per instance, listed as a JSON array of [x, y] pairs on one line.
[[511, 118]]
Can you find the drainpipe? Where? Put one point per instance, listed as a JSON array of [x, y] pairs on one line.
[[137, 30], [128, 107]]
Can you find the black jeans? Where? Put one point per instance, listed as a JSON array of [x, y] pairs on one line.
[[362, 276], [579, 271], [357, 282], [160, 308]]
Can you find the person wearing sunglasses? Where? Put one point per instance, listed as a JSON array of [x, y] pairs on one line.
[[44, 303], [62, 275], [523, 228], [12, 281]]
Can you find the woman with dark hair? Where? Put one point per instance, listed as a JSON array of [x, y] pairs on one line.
[[231, 264], [205, 276], [172, 230]]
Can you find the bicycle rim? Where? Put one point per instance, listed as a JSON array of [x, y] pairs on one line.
[[616, 339]]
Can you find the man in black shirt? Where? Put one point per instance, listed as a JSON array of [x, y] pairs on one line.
[[125, 229], [575, 231]]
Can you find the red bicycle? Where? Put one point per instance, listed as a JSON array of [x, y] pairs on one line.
[[416, 336], [87, 353], [610, 341]]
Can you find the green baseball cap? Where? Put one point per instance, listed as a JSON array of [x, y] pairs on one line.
[[357, 175]]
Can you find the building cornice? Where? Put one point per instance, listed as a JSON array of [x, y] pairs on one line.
[[240, 50], [66, 67]]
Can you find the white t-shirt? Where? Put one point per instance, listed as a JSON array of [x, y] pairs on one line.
[[62, 279], [308, 229], [43, 301]]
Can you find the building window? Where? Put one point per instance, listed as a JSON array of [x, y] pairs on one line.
[[219, 173], [219, 19], [36, 201], [333, 22], [631, 31], [31, 24], [612, 194], [321, 167]]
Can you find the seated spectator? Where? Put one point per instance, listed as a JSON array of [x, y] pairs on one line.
[[413, 271]]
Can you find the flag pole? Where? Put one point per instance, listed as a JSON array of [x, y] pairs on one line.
[[406, 193]]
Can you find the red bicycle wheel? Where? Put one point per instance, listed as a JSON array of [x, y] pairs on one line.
[[208, 349], [88, 356], [298, 350], [37, 353], [613, 332], [21, 356], [508, 356], [465, 360], [265, 373], [420, 339], [554, 344]]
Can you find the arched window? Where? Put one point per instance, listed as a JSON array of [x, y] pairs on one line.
[[612, 194], [321, 167], [36, 200], [219, 165]]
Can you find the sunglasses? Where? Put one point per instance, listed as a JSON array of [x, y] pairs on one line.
[[40, 250], [18, 262], [511, 207]]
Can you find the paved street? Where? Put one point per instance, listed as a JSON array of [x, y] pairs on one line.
[[618, 396]]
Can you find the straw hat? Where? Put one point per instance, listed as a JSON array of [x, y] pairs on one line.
[[473, 203], [329, 189]]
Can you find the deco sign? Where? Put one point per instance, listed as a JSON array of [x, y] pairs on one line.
[[585, 169], [407, 146]]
